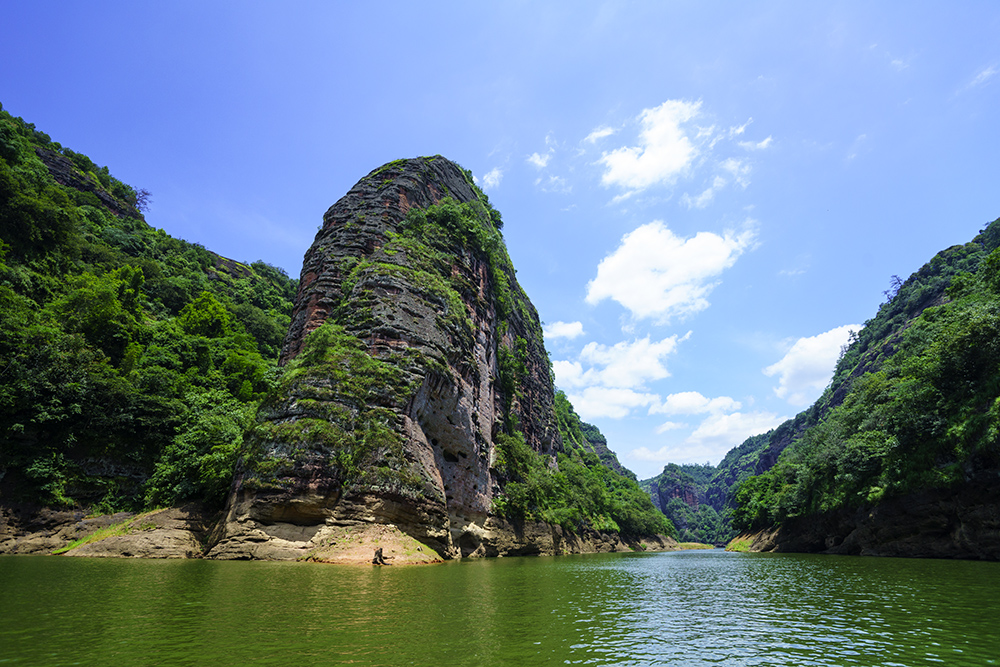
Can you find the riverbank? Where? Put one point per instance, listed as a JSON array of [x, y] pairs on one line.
[[932, 523], [187, 532]]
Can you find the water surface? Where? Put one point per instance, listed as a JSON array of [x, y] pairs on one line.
[[686, 608]]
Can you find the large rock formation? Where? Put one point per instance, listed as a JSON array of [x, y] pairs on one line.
[[412, 355]]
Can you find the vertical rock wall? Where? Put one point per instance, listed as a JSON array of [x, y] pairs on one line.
[[423, 350]]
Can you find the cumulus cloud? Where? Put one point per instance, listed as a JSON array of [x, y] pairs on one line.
[[609, 380], [693, 402], [662, 455], [656, 274], [624, 365], [808, 366], [598, 134], [492, 178], [664, 150], [724, 431], [568, 373], [562, 330], [629, 364], [610, 402], [680, 453]]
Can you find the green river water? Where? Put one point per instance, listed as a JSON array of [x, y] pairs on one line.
[[685, 608]]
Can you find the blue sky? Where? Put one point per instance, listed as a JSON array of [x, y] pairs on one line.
[[700, 198]]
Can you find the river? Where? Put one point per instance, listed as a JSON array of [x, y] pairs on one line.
[[684, 608]]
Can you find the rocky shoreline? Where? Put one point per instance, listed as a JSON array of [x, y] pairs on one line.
[[190, 532], [934, 523]]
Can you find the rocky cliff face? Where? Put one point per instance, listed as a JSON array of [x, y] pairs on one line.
[[65, 173], [412, 353], [662, 492], [935, 523]]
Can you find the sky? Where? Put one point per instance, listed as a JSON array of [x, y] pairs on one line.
[[702, 199]]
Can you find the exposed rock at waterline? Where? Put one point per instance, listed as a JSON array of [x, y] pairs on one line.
[[936, 523]]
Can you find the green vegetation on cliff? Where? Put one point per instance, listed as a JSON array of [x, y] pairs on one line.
[[581, 492], [914, 403], [682, 493], [133, 364], [130, 361], [448, 259]]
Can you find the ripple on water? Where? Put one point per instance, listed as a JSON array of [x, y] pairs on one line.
[[690, 608]]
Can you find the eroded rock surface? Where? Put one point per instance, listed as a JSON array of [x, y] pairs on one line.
[[937, 523], [176, 532], [393, 418]]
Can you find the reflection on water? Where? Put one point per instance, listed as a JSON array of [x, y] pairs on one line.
[[689, 608]]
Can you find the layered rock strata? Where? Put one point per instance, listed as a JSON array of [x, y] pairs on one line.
[[412, 352]]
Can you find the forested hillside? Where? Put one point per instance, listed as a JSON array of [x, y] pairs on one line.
[[682, 493], [130, 361], [914, 404], [132, 364], [591, 485]]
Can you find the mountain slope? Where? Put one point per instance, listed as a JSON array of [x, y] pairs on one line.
[[417, 391], [415, 386], [131, 361], [910, 420]]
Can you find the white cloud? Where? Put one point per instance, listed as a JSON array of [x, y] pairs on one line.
[[492, 178], [669, 426], [692, 403], [857, 146], [756, 145], [723, 432], [716, 435], [556, 184], [739, 169], [680, 453], [657, 274], [540, 161], [983, 76], [599, 133], [562, 330], [737, 130], [610, 402], [663, 153], [808, 366], [663, 454], [628, 364], [705, 198], [568, 374], [612, 384]]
